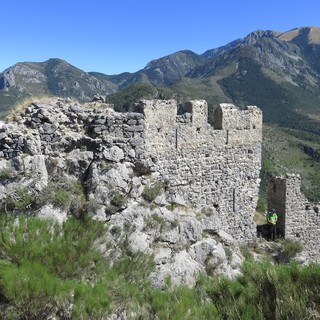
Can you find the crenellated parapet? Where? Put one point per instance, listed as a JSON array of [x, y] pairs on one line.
[[228, 117], [165, 130]]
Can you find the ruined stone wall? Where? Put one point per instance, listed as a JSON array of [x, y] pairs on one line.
[[209, 167], [299, 219], [52, 129]]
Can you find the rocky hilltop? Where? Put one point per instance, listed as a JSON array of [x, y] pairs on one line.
[[168, 183], [171, 184]]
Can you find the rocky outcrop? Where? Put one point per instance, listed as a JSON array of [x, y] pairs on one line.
[[179, 189]]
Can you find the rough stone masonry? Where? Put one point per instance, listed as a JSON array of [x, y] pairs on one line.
[[208, 173], [298, 218], [212, 167], [208, 166]]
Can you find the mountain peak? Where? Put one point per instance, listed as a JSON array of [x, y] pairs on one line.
[[310, 34], [253, 37]]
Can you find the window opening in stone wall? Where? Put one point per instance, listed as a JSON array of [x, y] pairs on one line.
[[234, 200], [176, 138], [198, 130], [227, 139], [181, 109]]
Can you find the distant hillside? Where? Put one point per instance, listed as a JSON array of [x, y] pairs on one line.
[[278, 71], [52, 77]]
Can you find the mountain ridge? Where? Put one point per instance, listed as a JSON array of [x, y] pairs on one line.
[[288, 60]]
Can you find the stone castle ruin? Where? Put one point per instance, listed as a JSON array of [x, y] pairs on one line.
[[208, 166], [211, 168], [215, 167]]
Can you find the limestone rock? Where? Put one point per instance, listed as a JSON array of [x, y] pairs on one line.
[[182, 270], [202, 249], [113, 154], [162, 255], [32, 145], [217, 258], [35, 166], [77, 162], [190, 228], [225, 238], [52, 213], [139, 241]]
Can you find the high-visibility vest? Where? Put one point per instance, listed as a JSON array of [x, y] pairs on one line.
[[272, 217]]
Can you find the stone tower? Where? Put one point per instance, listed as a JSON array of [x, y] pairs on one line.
[[298, 218]]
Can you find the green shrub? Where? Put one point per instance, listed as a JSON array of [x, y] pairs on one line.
[[65, 194], [152, 191], [265, 291], [91, 302], [20, 199], [57, 271], [262, 205], [43, 266], [118, 200], [62, 198], [6, 174], [153, 221], [117, 203], [33, 291], [291, 248]]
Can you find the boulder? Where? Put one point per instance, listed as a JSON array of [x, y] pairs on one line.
[[182, 270], [202, 249], [113, 154], [190, 228], [139, 241], [32, 145]]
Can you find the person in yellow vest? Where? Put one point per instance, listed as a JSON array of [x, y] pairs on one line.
[[272, 219]]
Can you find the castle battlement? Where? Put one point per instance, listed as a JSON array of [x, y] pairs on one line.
[[228, 117], [165, 130]]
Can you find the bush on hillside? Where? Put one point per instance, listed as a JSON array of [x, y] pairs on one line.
[[49, 270], [66, 194]]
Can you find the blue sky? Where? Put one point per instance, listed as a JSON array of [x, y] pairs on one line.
[[114, 36]]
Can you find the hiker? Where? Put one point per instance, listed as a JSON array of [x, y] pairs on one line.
[[272, 219]]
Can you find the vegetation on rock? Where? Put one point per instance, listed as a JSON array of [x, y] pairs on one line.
[[67, 272]]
